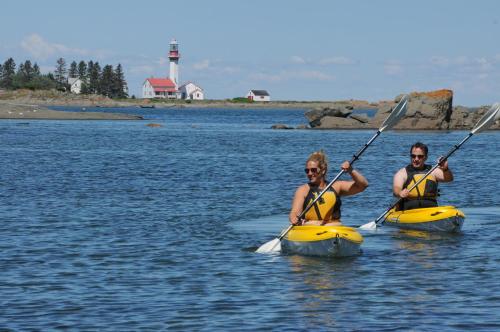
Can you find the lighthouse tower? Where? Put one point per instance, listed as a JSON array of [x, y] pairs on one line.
[[173, 56]]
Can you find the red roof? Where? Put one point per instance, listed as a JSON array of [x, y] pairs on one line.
[[162, 84]]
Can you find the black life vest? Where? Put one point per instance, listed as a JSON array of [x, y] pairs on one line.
[[326, 208], [423, 195]]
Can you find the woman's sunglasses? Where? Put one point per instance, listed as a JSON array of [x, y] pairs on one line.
[[312, 170]]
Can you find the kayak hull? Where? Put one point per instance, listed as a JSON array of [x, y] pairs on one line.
[[326, 241], [434, 219]]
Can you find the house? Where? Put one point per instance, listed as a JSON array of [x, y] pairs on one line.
[[75, 85], [191, 91], [258, 95], [159, 88]]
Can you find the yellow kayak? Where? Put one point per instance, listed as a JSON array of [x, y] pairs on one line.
[[440, 219], [331, 241]]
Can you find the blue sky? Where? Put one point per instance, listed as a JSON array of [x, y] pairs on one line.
[[297, 50]]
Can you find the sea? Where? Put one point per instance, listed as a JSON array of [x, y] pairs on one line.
[[119, 226]]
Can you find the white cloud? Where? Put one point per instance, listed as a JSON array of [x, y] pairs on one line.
[[202, 65], [315, 75], [297, 59], [293, 75], [393, 68], [337, 60], [439, 61], [142, 69], [230, 70], [266, 77], [162, 61], [42, 49]]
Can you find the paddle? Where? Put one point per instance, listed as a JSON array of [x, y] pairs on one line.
[[396, 114], [484, 123]]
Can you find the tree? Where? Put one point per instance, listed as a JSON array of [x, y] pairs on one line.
[[73, 70], [60, 74], [94, 70], [36, 70], [8, 73], [82, 70], [84, 74], [120, 85], [25, 72], [107, 81]]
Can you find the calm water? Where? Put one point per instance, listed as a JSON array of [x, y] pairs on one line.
[[117, 226]]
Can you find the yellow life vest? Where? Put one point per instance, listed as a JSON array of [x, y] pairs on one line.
[[326, 208], [427, 189]]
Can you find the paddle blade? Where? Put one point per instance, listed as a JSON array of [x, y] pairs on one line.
[[270, 247], [487, 119], [397, 114], [371, 226]]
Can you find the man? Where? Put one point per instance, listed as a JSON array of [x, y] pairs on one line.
[[425, 194]]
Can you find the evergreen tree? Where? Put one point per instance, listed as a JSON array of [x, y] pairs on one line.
[[94, 77], [8, 73], [73, 70], [107, 81], [82, 70], [25, 71], [120, 85], [60, 74], [36, 70]]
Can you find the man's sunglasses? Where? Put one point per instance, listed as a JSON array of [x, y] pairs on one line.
[[419, 156]]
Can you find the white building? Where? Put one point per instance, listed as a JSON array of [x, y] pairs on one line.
[[75, 85], [168, 87], [159, 88], [191, 91], [258, 95]]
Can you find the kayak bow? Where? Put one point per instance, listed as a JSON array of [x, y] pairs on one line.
[[330, 241], [440, 219]]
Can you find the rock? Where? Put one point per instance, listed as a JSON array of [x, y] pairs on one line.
[[315, 115], [363, 118], [154, 125], [335, 122], [464, 118], [303, 126], [426, 110], [280, 126]]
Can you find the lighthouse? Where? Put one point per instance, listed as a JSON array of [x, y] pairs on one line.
[[173, 56], [170, 87]]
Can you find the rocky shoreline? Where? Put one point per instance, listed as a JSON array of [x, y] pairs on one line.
[[426, 110]]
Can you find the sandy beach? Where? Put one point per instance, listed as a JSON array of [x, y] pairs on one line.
[[11, 110]]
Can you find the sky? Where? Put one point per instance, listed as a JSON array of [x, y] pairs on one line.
[[296, 50]]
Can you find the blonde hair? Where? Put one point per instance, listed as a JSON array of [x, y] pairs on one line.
[[320, 158]]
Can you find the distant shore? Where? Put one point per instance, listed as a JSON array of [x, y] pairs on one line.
[[9, 110], [26, 104]]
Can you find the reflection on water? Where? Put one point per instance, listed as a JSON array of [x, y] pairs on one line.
[[114, 225]]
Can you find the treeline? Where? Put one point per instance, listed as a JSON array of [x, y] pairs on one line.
[[106, 81]]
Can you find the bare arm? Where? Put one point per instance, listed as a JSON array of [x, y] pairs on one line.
[[359, 183], [297, 204], [398, 182], [443, 173]]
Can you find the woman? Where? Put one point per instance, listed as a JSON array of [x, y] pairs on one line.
[[326, 211]]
